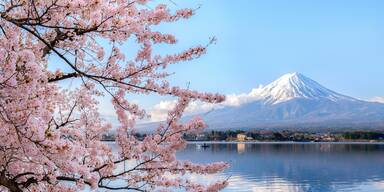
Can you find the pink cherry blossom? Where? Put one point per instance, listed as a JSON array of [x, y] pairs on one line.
[[50, 137]]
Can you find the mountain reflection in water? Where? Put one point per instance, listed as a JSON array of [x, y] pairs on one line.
[[294, 167]]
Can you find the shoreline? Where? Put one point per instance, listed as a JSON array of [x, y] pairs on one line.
[[285, 142], [281, 142]]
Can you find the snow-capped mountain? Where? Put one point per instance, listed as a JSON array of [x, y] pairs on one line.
[[296, 85], [296, 101]]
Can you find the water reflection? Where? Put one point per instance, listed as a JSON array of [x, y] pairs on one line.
[[295, 167], [240, 147]]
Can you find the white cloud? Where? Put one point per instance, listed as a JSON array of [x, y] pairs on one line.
[[379, 99], [160, 111], [239, 99]]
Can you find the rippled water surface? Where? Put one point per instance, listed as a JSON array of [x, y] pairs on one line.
[[294, 167]]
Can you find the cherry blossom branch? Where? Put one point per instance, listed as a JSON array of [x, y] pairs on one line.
[[51, 135]]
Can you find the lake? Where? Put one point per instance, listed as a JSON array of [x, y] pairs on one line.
[[294, 167]]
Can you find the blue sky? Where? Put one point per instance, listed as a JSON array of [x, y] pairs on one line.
[[339, 43]]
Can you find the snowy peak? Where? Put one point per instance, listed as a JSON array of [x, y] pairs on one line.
[[295, 101], [296, 85]]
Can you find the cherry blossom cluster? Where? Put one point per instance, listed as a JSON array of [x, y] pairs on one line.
[[50, 137]]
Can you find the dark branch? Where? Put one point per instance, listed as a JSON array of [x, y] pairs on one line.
[[65, 76]]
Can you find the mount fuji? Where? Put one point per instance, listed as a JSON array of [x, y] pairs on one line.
[[295, 101], [295, 85]]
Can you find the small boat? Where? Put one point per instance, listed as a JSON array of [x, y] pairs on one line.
[[205, 145]]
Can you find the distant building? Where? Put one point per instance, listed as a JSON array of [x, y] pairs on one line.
[[241, 137], [201, 137]]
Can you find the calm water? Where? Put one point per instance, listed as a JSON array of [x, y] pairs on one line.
[[286, 167]]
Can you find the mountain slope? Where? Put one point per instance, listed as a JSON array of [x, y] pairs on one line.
[[296, 85], [297, 101]]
